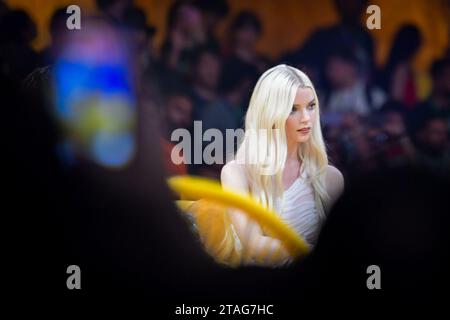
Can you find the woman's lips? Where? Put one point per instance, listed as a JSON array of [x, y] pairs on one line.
[[304, 130]]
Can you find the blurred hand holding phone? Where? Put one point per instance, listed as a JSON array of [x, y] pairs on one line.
[[94, 96]]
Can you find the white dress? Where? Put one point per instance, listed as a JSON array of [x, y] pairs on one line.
[[298, 209]]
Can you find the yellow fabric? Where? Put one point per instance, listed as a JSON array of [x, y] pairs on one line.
[[214, 225], [214, 228]]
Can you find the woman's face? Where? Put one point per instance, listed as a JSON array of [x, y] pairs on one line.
[[302, 117]]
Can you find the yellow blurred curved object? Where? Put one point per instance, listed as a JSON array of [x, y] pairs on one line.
[[214, 225], [216, 232]]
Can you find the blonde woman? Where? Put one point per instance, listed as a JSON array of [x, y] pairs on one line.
[[298, 183]]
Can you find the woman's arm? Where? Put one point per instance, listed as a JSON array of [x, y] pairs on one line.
[[249, 232]]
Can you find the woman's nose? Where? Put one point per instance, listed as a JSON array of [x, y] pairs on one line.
[[304, 115]]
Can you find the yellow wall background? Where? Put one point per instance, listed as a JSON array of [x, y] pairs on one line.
[[288, 22]]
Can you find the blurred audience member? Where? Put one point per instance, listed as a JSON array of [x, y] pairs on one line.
[[114, 10], [185, 32], [305, 61], [348, 33], [236, 95], [17, 57], [58, 34], [240, 52], [177, 113], [398, 76], [213, 12], [396, 220], [440, 95], [3, 8], [398, 150], [204, 79], [439, 99], [140, 36], [333, 140], [360, 154], [348, 90], [225, 113], [433, 146]]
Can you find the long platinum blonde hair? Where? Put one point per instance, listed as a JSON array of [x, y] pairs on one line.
[[270, 106]]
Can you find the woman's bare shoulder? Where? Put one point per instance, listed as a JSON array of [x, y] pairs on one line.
[[334, 182], [233, 176], [334, 173], [233, 166]]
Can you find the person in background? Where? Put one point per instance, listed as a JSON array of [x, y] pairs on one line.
[[332, 137], [397, 77], [440, 95], [140, 38], [177, 113], [17, 57], [395, 220], [240, 52], [185, 32], [213, 13], [204, 79], [226, 113], [58, 34], [304, 61], [439, 99], [348, 90], [114, 10], [360, 155], [433, 146], [349, 32], [3, 8], [235, 95], [395, 145]]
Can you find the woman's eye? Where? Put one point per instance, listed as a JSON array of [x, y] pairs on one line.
[[293, 110], [312, 106]]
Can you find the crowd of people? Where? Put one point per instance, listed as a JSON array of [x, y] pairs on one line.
[[373, 117]]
